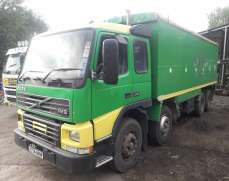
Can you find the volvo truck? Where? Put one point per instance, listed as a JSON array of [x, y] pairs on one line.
[[100, 94]]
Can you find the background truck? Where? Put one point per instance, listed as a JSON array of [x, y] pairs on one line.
[[221, 36], [1, 93], [100, 94], [14, 63]]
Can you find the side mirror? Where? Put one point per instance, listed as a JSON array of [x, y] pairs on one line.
[[110, 55]]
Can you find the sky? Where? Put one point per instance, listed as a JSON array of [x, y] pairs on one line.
[[62, 14]]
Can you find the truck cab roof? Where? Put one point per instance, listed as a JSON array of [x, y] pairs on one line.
[[140, 24], [113, 27]]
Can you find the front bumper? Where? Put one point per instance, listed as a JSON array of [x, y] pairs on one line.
[[64, 160]]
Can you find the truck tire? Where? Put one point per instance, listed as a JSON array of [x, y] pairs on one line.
[[161, 131], [207, 99], [200, 103], [127, 145]]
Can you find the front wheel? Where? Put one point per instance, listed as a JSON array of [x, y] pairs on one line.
[[161, 130], [127, 146]]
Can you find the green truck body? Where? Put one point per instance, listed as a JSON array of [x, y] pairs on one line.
[[129, 85]]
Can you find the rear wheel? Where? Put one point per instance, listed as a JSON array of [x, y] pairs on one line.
[[127, 146], [200, 103], [161, 131], [208, 98]]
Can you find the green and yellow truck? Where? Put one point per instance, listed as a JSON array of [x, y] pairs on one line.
[[100, 94]]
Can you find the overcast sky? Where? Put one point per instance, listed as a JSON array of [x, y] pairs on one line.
[[191, 14]]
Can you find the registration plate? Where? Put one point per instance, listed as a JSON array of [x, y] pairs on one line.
[[35, 150]]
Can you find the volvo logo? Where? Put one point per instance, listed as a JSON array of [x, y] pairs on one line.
[[62, 111]]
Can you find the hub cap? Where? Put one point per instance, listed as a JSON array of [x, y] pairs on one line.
[[129, 146], [165, 126]]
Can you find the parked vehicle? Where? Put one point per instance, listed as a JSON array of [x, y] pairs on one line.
[[99, 94], [14, 63], [220, 35]]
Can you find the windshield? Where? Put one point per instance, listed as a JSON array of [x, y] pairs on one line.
[[58, 58], [13, 64]]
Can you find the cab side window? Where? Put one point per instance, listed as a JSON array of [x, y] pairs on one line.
[[123, 56], [140, 56], [123, 59]]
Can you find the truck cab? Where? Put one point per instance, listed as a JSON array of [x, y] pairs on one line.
[[13, 66], [70, 93]]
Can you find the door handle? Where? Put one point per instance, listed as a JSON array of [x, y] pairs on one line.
[[128, 95], [131, 94]]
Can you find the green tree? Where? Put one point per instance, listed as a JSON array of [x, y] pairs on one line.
[[218, 17], [16, 23]]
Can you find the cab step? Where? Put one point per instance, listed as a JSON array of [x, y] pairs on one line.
[[103, 159]]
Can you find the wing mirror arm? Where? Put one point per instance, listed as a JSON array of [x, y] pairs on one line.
[[94, 75]]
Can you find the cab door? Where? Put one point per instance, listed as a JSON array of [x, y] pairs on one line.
[[142, 85], [105, 97]]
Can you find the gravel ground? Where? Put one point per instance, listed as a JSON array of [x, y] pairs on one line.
[[198, 150]]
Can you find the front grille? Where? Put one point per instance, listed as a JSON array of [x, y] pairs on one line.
[[11, 92], [11, 99], [50, 105], [42, 128], [10, 82]]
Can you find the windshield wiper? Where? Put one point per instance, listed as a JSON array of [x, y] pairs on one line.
[[58, 69], [13, 65], [22, 76]]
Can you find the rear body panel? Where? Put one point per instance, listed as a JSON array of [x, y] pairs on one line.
[[180, 60]]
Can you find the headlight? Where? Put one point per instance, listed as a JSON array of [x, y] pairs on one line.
[[74, 135], [77, 138], [5, 82]]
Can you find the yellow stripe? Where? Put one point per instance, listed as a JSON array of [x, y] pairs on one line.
[[85, 131], [40, 126], [112, 27], [103, 125], [164, 97]]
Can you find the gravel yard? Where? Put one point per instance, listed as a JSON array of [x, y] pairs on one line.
[[198, 150]]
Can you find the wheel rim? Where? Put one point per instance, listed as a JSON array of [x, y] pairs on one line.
[[129, 146], [165, 125]]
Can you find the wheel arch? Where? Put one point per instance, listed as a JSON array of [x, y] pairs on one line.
[[173, 106], [210, 88], [138, 112]]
